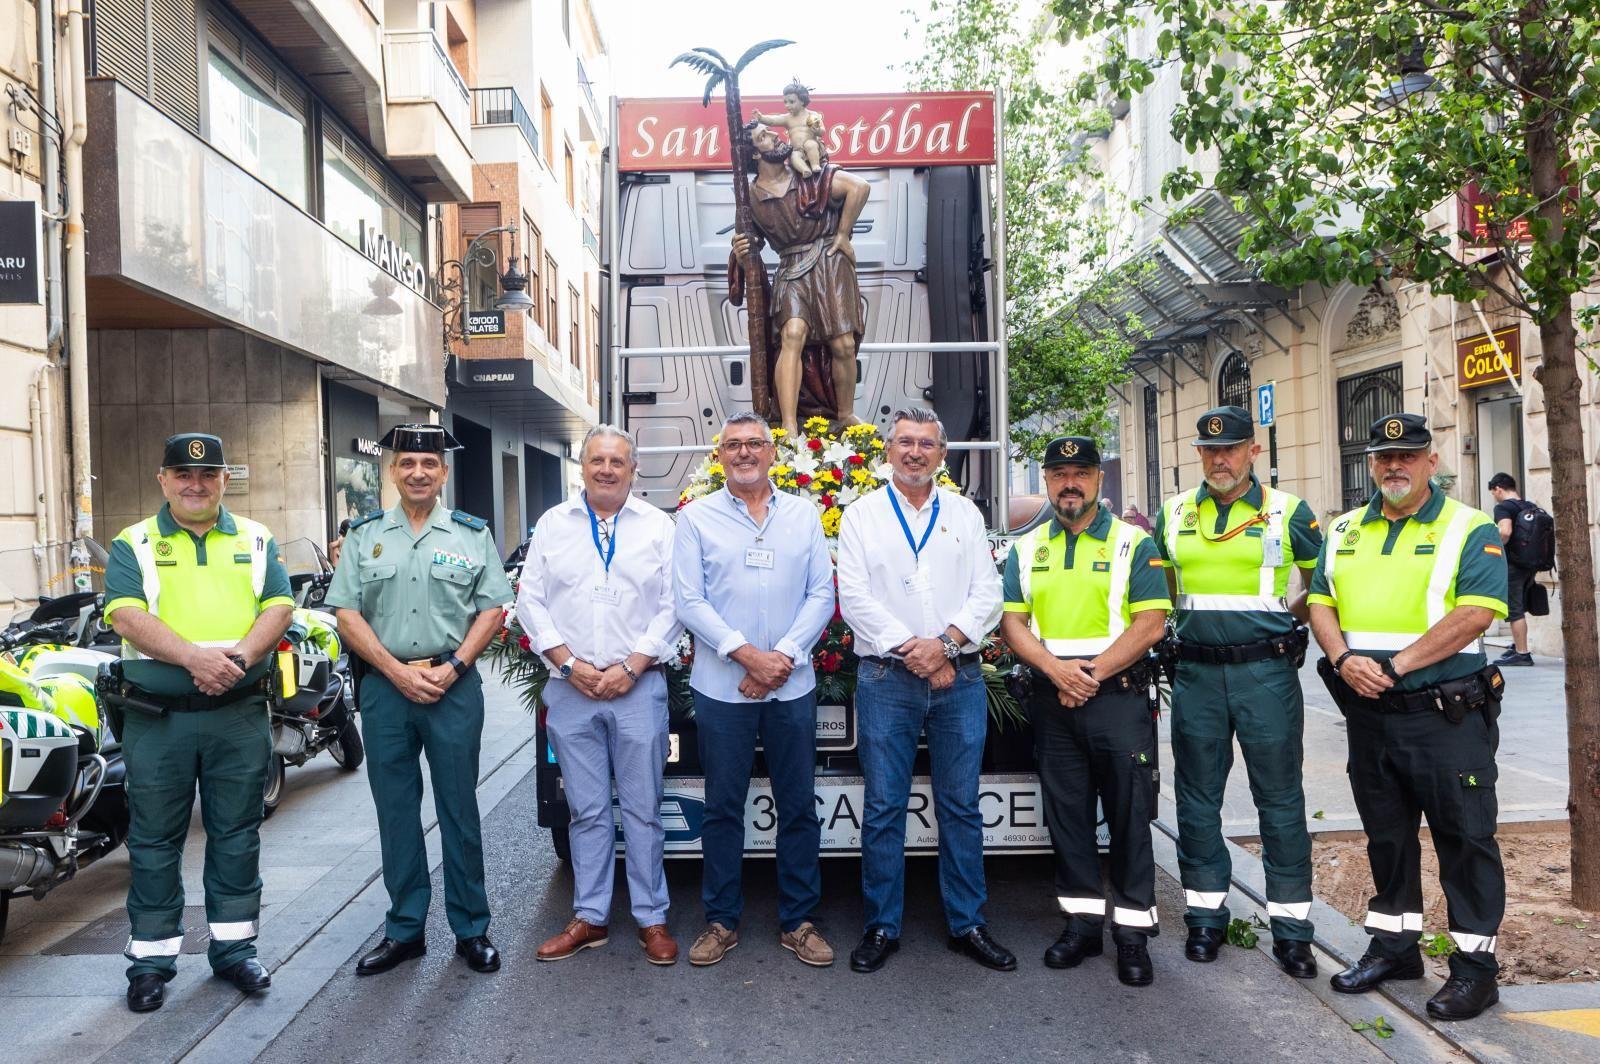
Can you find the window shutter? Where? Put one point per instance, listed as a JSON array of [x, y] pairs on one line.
[[152, 47], [479, 218]]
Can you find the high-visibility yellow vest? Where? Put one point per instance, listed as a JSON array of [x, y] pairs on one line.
[[1077, 612]]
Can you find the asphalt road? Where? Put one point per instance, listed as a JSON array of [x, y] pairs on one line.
[[761, 1004]]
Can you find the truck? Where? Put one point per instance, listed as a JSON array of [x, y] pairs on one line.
[[930, 254]]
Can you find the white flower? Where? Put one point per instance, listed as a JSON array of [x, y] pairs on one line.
[[847, 495], [805, 461], [837, 453], [883, 471]]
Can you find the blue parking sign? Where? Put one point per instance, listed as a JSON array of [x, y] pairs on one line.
[[1265, 412]]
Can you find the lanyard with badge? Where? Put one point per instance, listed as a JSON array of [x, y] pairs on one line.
[[759, 557], [604, 593], [917, 582], [1271, 545]]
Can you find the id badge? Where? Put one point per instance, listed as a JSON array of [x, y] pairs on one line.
[[605, 595], [757, 558], [1272, 552], [916, 583]]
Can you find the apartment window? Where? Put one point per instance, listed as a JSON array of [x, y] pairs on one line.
[[359, 191], [256, 114], [550, 288], [594, 335], [1363, 399], [1152, 450], [577, 317], [572, 185], [532, 260], [547, 113], [483, 281], [1233, 381]]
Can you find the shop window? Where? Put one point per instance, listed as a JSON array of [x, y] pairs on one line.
[[256, 115], [358, 190]]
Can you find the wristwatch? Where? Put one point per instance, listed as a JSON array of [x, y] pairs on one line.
[[629, 670], [952, 649], [457, 664], [1388, 669], [564, 670]]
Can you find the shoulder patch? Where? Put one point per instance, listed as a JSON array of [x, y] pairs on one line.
[[464, 518], [365, 519]]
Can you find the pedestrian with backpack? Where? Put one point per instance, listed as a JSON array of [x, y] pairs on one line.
[[1528, 533]]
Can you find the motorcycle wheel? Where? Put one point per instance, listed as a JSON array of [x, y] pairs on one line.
[[273, 793], [348, 751], [562, 843]]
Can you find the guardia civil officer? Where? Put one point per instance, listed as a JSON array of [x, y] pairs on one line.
[[420, 590], [1085, 600], [1400, 599], [1230, 546], [200, 598]]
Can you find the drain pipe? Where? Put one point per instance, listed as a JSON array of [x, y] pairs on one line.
[[77, 322], [51, 159], [41, 489]]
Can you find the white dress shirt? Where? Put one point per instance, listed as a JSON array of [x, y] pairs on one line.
[[889, 593], [567, 597]]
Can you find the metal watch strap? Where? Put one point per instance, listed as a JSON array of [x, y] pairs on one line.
[[629, 670], [565, 668]]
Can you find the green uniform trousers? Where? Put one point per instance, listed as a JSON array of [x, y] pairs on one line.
[[1261, 703], [225, 752], [450, 732]]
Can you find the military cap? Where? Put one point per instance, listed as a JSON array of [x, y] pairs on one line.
[[1071, 450], [1399, 432], [196, 449], [429, 439], [1224, 426]]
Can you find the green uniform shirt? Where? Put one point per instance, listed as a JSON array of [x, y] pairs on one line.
[[204, 584], [1067, 582], [420, 592], [1208, 564], [1387, 588]]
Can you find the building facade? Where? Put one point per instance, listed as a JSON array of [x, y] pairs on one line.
[[1211, 333]]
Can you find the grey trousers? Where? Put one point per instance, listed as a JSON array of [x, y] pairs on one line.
[[625, 739]]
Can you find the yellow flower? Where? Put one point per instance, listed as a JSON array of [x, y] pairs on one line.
[[816, 424], [830, 520], [860, 476], [716, 439], [715, 469], [877, 445], [826, 476], [778, 434], [781, 470]]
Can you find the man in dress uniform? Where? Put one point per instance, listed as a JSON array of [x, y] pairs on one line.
[[1085, 600], [1230, 545], [918, 586], [1400, 599], [604, 620], [200, 599], [420, 591]]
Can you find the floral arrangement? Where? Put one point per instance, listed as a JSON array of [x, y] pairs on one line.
[[831, 469]]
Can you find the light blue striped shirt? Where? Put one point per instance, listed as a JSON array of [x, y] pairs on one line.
[[728, 602]]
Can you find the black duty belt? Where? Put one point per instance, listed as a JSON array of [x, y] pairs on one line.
[[1289, 647], [198, 703], [958, 661]]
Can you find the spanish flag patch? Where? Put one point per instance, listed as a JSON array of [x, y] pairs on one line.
[[1491, 549]]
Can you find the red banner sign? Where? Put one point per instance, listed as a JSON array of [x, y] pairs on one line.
[[887, 129], [1476, 216]]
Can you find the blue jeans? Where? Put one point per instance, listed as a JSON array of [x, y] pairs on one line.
[[893, 707], [788, 732]]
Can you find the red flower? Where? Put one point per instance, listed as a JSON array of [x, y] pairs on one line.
[[844, 640], [856, 459], [803, 479], [838, 475], [831, 661], [827, 500], [525, 643], [815, 445]]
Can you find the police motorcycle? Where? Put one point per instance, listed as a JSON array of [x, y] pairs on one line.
[[63, 800], [310, 693]]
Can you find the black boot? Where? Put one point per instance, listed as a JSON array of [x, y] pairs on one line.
[[1203, 944], [388, 954], [1462, 998], [247, 975], [146, 993], [1372, 969], [480, 954], [1295, 958], [873, 950], [1071, 948], [1133, 964]]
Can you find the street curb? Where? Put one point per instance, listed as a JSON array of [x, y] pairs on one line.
[[1488, 1039], [350, 896]]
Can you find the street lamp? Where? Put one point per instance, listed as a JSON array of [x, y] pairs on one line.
[[513, 284]]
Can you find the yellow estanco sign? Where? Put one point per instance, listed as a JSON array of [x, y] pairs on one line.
[[1478, 363]]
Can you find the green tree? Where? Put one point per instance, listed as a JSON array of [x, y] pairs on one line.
[[1057, 244], [1344, 129]]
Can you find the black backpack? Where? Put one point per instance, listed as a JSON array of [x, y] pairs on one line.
[[1533, 539]]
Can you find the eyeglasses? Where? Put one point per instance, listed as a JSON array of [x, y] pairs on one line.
[[906, 443], [742, 446]]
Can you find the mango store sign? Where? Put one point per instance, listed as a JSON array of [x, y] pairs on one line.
[[392, 259]]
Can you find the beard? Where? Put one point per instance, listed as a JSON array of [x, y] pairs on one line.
[[780, 154], [1223, 481], [1395, 491], [1071, 506]]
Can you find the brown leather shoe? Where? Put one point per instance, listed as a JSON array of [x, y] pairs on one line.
[[808, 944], [712, 945], [659, 948], [578, 935]]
